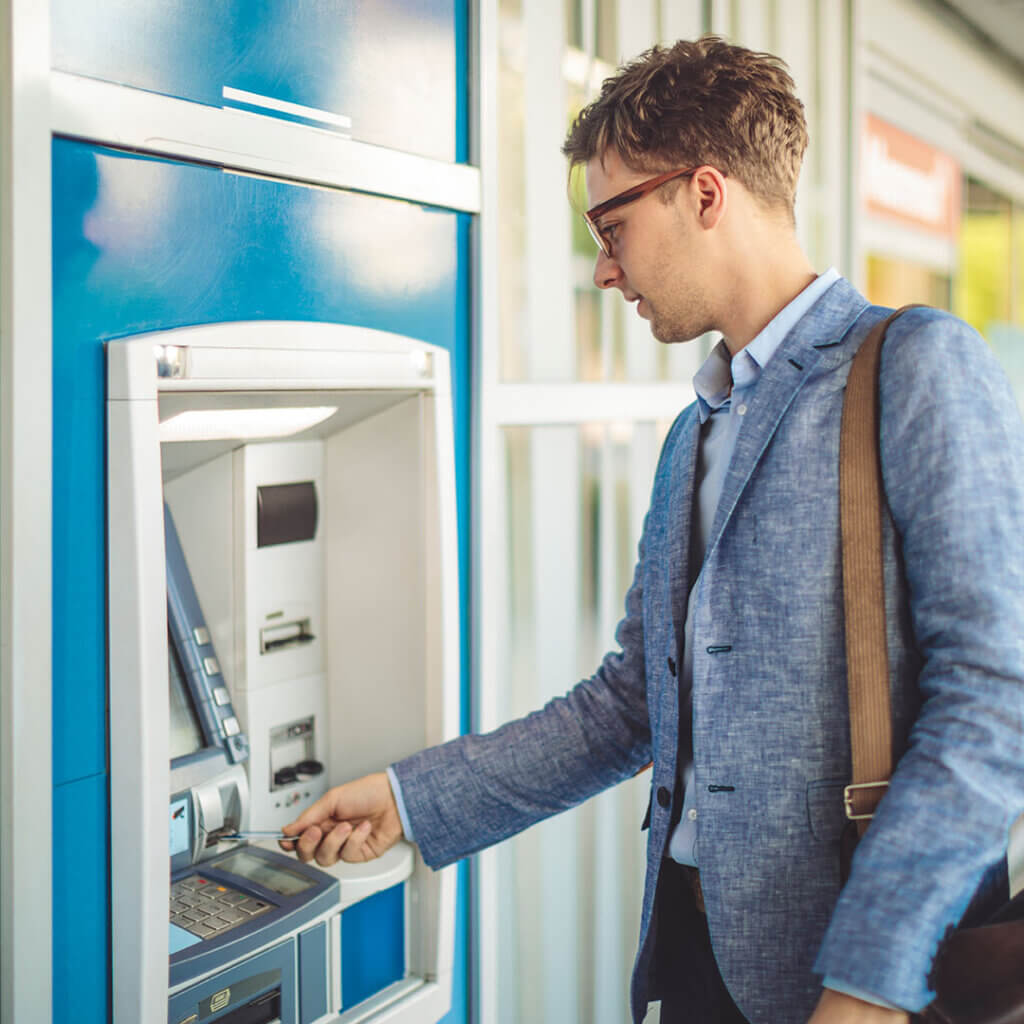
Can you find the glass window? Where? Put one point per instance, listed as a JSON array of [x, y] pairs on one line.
[[985, 282], [989, 291], [895, 282]]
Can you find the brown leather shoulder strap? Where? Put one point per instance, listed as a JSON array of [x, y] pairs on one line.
[[867, 657]]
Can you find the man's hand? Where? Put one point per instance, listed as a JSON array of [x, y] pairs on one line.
[[837, 1008], [355, 822]]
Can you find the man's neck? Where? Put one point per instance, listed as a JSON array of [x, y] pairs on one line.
[[759, 288]]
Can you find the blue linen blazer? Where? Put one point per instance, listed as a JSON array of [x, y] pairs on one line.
[[767, 723]]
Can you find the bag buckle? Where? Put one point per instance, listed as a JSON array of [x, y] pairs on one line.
[[849, 794]]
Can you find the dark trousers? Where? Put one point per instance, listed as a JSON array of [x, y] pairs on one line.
[[686, 976]]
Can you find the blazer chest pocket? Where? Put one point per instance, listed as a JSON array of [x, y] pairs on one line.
[[826, 816]]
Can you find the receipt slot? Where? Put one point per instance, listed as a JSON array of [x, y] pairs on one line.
[[283, 615]]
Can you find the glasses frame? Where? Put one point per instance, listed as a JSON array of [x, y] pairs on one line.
[[629, 195]]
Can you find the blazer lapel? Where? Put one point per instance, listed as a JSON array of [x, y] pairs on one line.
[[823, 326]]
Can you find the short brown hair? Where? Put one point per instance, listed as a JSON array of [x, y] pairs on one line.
[[702, 102]]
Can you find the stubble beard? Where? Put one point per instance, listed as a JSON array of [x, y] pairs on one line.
[[677, 326], [683, 311]]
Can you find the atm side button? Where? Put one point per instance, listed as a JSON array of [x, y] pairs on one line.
[[221, 696], [231, 726], [201, 635]]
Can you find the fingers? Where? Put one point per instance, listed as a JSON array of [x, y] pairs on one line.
[[322, 843], [328, 850], [355, 850], [327, 845], [323, 827]]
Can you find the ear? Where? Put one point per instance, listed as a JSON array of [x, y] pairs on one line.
[[709, 190]]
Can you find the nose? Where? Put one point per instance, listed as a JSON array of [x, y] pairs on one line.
[[607, 272]]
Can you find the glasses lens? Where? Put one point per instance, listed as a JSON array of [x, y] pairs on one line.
[[595, 233]]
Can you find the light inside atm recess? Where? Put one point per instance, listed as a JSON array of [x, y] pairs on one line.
[[226, 424]]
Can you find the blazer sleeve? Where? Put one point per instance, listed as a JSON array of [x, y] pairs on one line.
[[952, 452]]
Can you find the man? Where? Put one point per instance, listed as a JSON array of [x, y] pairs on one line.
[[731, 673]]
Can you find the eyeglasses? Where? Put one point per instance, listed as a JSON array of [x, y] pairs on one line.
[[630, 195]]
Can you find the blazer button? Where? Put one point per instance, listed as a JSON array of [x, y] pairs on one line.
[[672, 665], [664, 796]]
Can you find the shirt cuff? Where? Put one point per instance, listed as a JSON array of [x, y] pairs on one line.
[[396, 790], [851, 990]]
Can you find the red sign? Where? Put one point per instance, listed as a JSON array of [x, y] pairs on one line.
[[905, 179]]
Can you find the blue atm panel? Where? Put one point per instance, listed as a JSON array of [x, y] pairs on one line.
[[388, 73], [372, 950], [142, 245]]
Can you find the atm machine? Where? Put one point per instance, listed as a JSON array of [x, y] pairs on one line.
[[283, 617]]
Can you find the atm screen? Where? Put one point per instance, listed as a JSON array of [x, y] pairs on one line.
[[265, 873], [186, 736]]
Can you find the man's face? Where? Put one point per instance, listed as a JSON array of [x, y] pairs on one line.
[[655, 260]]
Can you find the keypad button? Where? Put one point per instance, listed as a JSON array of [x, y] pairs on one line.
[[251, 906], [202, 930]]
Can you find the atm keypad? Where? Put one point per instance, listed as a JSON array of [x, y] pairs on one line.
[[206, 908]]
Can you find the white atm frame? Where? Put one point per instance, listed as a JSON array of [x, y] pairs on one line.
[[254, 356]]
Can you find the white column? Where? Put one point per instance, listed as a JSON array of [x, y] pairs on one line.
[[25, 517], [610, 886], [681, 19], [636, 26], [722, 21], [549, 339], [489, 537], [752, 25], [833, 129], [554, 856], [794, 20]]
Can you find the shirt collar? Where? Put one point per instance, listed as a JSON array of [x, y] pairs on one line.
[[721, 373]]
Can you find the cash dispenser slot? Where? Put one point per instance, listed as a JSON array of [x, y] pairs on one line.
[[282, 635]]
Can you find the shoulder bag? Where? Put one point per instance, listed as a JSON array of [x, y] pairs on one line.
[[978, 974]]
